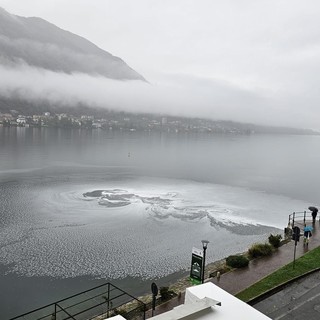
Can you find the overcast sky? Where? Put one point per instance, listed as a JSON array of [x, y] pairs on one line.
[[245, 60]]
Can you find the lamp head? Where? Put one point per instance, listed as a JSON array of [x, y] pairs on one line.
[[204, 244]]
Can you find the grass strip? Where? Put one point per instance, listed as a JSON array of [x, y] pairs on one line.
[[306, 263]]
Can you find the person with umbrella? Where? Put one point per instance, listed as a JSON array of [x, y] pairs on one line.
[[314, 213], [307, 234]]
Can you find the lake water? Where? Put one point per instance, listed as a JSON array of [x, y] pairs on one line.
[[81, 207]]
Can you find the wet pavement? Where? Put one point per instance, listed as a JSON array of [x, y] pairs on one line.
[[296, 301], [239, 279]]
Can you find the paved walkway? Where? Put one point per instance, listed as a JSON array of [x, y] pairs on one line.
[[239, 279]]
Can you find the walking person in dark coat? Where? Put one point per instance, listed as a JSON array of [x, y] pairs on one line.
[[314, 213]]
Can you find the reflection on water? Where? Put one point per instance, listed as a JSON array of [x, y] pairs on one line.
[[285, 165]]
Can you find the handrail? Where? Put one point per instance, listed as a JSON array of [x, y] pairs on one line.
[[70, 316], [113, 293], [299, 215]]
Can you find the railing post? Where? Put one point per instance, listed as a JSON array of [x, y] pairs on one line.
[[304, 217], [144, 311], [293, 216], [108, 296], [54, 316]]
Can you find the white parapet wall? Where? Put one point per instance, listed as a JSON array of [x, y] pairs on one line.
[[208, 301]]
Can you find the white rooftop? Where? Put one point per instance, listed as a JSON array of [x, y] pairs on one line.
[[208, 301], [118, 317]]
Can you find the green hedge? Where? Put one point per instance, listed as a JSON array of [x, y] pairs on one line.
[[260, 250], [237, 261], [275, 240]]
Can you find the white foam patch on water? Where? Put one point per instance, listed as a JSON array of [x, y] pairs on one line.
[[67, 234]]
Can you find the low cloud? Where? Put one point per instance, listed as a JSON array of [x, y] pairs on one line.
[[181, 95], [254, 62]]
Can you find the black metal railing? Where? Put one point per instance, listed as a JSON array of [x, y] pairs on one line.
[[299, 217], [105, 300]]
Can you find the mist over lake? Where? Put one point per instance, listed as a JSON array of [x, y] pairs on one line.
[[80, 207]]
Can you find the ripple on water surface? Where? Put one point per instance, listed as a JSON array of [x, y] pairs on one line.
[[139, 227]]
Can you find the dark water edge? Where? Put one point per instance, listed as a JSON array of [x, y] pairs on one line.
[[20, 294]]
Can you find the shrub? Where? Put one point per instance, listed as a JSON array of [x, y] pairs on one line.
[[275, 240], [237, 261], [260, 250], [165, 293]]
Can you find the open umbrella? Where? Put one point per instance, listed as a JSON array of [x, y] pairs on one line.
[[307, 228], [314, 213]]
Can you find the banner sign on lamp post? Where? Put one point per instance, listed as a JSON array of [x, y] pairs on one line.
[[196, 266]]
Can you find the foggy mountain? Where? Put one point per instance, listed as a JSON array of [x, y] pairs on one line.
[[38, 43], [45, 68]]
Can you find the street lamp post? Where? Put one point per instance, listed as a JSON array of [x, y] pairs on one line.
[[204, 246]]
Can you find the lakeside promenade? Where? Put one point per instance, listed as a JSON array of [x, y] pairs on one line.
[[240, 279], [236, 280]]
